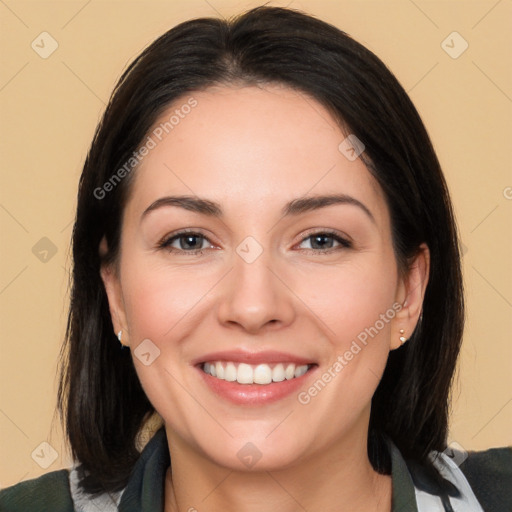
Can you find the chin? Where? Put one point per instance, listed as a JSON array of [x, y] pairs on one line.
[[255, 453]]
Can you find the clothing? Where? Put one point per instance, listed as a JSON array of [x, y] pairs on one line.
[[484, 481]]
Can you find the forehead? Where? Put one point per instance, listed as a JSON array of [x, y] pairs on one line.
[[249, 147]]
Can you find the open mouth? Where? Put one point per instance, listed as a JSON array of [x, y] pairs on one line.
[[244, 373]]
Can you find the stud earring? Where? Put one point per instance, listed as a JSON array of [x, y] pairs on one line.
[[119, 337], [402, 338]]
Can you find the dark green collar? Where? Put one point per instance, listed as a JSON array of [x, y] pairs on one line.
[[404, 497], [145, 490]]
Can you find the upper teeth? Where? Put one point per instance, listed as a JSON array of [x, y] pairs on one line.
[[254, 374]]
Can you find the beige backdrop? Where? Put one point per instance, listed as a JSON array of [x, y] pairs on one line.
[[50, 104]]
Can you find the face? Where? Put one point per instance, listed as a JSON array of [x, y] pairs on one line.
[[264, 328]]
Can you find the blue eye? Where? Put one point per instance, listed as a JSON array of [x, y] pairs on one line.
[[187, 241], [191, 242], [320, 242]]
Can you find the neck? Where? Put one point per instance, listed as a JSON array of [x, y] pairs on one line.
[[340, 479]]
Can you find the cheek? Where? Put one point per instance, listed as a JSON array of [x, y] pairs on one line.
[[345, 301], [350, 299], [354, 304], [162, 304], [158, 299]]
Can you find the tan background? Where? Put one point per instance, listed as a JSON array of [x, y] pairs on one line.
[[49, 110]]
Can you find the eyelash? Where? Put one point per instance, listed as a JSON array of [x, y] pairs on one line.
[[344, 243]]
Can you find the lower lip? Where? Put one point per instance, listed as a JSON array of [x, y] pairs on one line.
[[255, 394]]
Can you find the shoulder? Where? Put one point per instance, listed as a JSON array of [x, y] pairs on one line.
[[48, 492], [489, 473]]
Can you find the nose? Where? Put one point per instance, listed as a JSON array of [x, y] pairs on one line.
[[255, 296]]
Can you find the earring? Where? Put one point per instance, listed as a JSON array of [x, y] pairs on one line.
[[119, 336], [402, 338]]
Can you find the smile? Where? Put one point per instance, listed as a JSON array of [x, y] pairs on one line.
[[262, 374], [255, 378]]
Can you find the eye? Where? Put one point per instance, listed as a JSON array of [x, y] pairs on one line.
[[322, 242], [191, 242], [187, 241]]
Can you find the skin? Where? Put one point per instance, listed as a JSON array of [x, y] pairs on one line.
[[253, 149]]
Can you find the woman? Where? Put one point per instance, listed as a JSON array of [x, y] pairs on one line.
[[262, 220]]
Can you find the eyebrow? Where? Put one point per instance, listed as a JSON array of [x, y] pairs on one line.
[[292, 208]]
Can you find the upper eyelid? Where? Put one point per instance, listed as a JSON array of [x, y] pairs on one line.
[[325, 231]]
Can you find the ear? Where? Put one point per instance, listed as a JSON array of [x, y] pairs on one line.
[[410, 294], [110, 277]]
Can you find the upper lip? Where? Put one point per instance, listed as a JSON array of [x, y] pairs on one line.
[[251, 357]]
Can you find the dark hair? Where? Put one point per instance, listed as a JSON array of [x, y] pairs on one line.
[[100, 398]]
